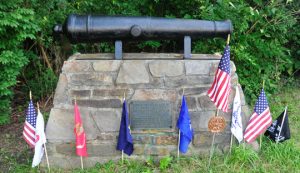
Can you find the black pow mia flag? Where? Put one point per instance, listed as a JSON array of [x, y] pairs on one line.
[[274, 130]]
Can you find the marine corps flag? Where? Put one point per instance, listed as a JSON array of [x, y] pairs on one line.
[[279, 131], [79, 133]]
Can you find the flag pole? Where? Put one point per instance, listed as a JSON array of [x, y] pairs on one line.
[[277, 140], [178, 145], [81, 162], [260, 136], [178, 154], [231, 143], [212, 143], [124, 96], [38, 108], [47, 156]]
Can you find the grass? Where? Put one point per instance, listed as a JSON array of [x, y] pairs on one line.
[[282, 157]]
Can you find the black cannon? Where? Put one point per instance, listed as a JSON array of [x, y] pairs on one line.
[[92, 29]]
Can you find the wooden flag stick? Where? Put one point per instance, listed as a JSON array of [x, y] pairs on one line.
[[47, 157], [228, 39], [211, 150], [30, 95], [81, 162], [260, 137], [178, 144], [122, 156], [260, 141], [231, 141], [277, 140], [38, 108], [212, 143]]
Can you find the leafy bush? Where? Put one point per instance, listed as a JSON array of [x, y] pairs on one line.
[[16, 25], [264, 44]]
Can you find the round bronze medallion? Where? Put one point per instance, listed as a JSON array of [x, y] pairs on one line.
[[216, 124]]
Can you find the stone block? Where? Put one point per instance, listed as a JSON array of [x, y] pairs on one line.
[[214, 67], [232, 68], [226, 115], [234, 79], [154, 94], [170, 68], [193, 67], [194, 91], [200, 119], [112, 92], [159, 150], [60, 96], [198, 80], [138, 149], [107, 137], [246, 114], [133, 72], [108, 65], [142, 139], [166, 140], [106, 103], [191, 103], [242, 95], [76, 66], [61, 124], [175, 82], [91, 79], [107, 120], [92, 149], [78, 94], [205, 103], [205, 138]]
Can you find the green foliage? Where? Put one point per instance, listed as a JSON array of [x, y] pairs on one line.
[[243, 156], [16, 25], [165, 162], [264, 45]]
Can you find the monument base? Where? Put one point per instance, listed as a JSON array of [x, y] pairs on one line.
[[98, 83]]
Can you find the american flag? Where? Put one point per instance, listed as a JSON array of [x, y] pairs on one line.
[[29, 127], [220, 88], [260, 120]]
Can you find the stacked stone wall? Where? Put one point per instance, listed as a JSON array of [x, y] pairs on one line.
[[98, 83]]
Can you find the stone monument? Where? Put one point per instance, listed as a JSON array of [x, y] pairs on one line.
[[153, 84]]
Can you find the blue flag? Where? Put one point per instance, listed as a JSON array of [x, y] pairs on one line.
[[125, 140], [185, 127]]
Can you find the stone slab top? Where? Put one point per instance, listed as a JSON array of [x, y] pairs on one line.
[[144, 56]]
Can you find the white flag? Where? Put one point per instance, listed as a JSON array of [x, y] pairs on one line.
[[40, 139], [236, 121]]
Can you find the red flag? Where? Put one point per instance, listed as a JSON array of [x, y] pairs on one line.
[[80, 134]]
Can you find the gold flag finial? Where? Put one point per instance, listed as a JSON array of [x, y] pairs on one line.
[[228, 39], [30, 95]]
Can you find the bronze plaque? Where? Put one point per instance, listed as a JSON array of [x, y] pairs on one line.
[[216, 124], [154, 114]]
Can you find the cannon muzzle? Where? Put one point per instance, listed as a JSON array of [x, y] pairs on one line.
[[93, 28]]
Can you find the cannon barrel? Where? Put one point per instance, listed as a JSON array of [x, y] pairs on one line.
[[93, 28]]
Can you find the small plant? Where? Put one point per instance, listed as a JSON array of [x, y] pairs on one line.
[[243, 156], [165, 162]]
